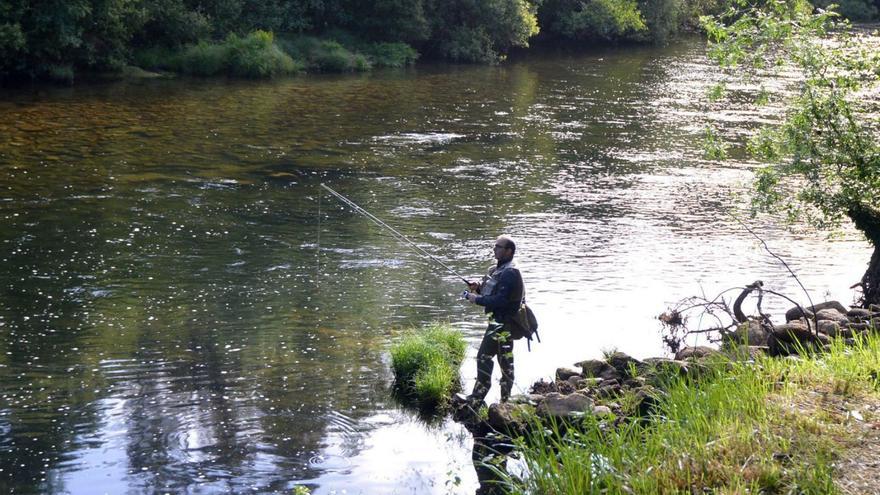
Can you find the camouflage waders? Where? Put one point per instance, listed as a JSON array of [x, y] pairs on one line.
[[496, 342]]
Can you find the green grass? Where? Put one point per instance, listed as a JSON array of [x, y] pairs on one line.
[[773, 426], [426, 363]]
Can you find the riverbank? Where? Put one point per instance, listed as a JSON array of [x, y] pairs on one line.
[[735, 420]]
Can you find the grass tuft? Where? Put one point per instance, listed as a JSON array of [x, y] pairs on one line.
[[426, 364]]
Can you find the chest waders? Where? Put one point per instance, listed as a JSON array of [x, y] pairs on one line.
[[496, 342]]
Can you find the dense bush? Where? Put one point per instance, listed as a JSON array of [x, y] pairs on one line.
[[606, 20], [391, 54], [255, 56], [325, 55], [471, 31]]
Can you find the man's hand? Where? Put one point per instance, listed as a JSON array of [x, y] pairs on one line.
[[474, 287], [472, 297]]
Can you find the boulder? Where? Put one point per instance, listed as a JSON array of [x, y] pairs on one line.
[[564, 373], [610, 390], [592, 368], [646, 400], [623, 363], [830, 328], [697, 352], [792, 332], [796, 313], [859, 314], [564, 406], [751, 332], [666, 366], [508, 417], [831, 314]]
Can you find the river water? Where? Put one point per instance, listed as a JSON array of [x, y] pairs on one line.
[[184, 311]]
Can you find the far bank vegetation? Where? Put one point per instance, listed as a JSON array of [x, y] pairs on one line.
[[257, 39]]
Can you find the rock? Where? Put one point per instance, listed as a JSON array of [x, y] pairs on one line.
[[564, 373], [858, 314], [874, 308], [508, 417], [751, 333], [564, 406], [592, 367], [576, 382], [792, 332], [611, 390], [602, 411], [589, 382], [830, 314], [795, 312], [666, 366], [830, 328], [647, 400], [624, 363], [823, 339], [697, 352]]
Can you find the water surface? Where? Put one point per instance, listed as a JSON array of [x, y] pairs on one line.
[[184, 311]]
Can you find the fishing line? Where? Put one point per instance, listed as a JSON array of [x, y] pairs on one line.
[[318, 251], [397, 235]]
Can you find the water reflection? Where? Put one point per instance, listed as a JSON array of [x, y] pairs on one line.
[[183, 311]]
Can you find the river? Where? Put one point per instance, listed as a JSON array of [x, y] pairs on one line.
[[184, 311]]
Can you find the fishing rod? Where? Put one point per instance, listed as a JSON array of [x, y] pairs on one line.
[[397, 235]]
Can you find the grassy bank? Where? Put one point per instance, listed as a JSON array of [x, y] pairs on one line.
[[770, 426], [426, 363]]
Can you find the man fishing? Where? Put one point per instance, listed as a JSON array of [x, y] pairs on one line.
[[501, 293]]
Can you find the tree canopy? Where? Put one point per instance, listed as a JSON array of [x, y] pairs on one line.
[[823, 161]]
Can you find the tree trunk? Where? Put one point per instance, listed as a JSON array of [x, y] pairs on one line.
[[867, 219]]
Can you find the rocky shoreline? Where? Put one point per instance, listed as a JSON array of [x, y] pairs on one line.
[[621, 388]]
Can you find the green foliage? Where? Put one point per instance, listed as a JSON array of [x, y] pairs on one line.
[[734, 430], [826, 144], [426, 363], [391, 54], [854, 10], [257, 56], [663, 18], [325, 55], [253, 56], [714, 148], [604, 20], [469, 31]]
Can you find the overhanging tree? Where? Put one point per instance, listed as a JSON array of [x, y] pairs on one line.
[[823, 163]]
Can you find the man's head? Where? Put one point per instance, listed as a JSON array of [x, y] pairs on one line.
[[504, 248]]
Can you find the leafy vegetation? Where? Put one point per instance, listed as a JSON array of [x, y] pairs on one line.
[[57, 39], [426, 364], [769, 426], [823, 160]]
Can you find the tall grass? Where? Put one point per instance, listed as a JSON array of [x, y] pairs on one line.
[[762, 427], [426, 363]]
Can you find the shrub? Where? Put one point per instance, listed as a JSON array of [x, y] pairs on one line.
[[391, 54], [426, 363], [202, 59], [257, 56], [608, 20], [325, 55], [254, 55]]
